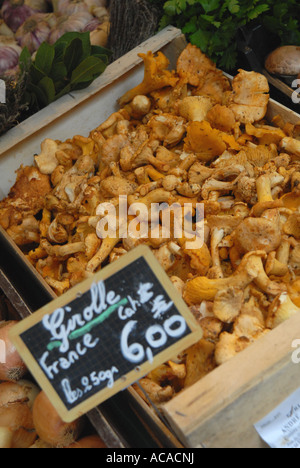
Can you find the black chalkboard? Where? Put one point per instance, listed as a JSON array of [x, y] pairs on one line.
[[105, 334]]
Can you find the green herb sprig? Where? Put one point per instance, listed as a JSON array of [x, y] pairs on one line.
[[70, 64], [212, 25]]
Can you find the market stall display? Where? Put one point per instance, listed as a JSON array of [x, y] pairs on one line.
[[267, 155]]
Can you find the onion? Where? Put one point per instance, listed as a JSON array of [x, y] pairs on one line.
[[6, 437], [49, 425], [15, 12], [40, 444], [18, 418], [92, 441], [33, 32], [76, 22], [14, 368], [30, 389]]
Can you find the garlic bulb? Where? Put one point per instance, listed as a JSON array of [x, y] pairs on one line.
[[92, 25], [91, 4], [76, 22], [5, 30], [33, 32], [99, 36], [101, 13], [15, 12], [9, 59], [70, 7], [40, 6], [9, 54]]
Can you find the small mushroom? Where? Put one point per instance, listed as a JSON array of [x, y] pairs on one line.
[[274, 267], [280, 310], [284, 61], [195, 108], [264, 195], [258, 234], [228, 303], [46, 161], [203, 288]]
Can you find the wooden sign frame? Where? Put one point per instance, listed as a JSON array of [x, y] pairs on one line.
[[138, 372]]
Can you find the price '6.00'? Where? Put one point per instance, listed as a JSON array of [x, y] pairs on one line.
[[156, 336]]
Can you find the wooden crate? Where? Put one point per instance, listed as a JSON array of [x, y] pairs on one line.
[[78, 113], [220, 410]]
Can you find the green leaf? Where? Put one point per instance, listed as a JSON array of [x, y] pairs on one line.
[[233, 6], [64, 91], [58, 72], [44, 57], [41, 97], [25, 60], [190, 27], [47, 86], [88, 70], [36, 74], [170, 8], [101, 50], [201, 39], [73, 54], [210, 19], [59, 48], [84, 37], [257, 11], [210, 5]]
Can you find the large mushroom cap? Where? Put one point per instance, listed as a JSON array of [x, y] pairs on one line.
[[284, 61]]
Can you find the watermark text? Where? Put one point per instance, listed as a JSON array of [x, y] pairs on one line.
[[296, 353], [153, 221], [2, 352], [2, 92], [296, 93]]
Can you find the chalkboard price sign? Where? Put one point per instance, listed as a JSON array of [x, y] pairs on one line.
[[106, 333]]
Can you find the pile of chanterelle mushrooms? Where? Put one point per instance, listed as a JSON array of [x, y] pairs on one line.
[[185, 136]]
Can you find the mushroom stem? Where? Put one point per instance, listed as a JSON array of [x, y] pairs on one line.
[[281, 309], [274, 267], [216, 237], [203, 288], [263, 281], [283, 252], [106, 247], [264, 189]]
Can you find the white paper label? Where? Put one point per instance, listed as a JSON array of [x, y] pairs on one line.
[[281, 428]]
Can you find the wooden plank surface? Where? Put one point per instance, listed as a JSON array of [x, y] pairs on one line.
[[220, 410]]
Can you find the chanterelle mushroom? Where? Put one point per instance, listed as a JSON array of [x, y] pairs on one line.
[[46, 161]]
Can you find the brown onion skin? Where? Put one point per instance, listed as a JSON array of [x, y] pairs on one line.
[[14, 368], [49, 425], [18, 418], [92, 441]]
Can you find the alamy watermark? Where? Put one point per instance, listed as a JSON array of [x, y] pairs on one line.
[[153, 221], [296, 93], [2, 352], [2, 92], [296, 353]]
